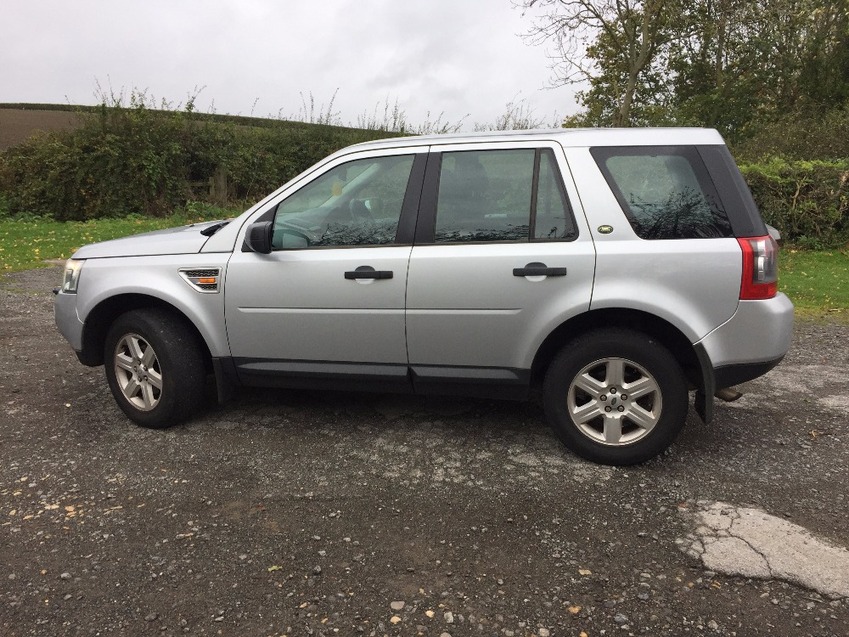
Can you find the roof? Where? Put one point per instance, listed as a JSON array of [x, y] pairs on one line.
[[574, 137]]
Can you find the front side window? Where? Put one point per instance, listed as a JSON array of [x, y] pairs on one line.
[[666, 193], [354, 204], [501, 195]]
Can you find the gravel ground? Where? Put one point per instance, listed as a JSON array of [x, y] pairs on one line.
[[301, 513]]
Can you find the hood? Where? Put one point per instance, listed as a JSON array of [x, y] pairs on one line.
[[182, 240]]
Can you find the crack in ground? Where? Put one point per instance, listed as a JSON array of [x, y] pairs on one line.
[[749, 542], [754, 549]]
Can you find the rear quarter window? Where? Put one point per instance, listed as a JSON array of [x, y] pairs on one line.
[[665, 192]]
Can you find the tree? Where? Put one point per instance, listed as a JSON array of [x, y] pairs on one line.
[[714, 69], [824, 75], [736, 66], [746, 64], [614, 45]]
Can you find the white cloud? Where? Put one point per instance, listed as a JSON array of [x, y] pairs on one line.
[[457, 57]]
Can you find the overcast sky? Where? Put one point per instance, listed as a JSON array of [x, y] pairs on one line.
[[457, 57]]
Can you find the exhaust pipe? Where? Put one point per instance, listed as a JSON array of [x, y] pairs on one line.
[[728, 394]]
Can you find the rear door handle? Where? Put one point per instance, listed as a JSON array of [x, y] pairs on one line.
[[538, 269], [368, 272]]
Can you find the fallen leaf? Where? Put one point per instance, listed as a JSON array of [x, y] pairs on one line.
[[271, 569]]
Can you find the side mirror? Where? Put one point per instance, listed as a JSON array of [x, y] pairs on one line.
[[774, 233], [258, 237]]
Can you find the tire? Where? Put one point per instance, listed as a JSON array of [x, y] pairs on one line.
[[588, 404], [154, 367]]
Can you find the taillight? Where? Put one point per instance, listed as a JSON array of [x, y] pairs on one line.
[[760, 268]]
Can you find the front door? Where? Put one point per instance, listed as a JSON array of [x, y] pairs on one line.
[[328, 302]]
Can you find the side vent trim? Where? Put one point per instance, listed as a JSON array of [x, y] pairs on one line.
[[205, 280]]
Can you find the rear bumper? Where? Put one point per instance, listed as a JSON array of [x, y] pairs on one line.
[[751, 342], [747, 346], [740, 373]]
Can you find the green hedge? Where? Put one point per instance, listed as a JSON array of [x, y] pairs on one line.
[[808, 201], [138, 160], [809, 134]]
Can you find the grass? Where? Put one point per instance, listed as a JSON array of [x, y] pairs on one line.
[[28, 244], [816, 281]]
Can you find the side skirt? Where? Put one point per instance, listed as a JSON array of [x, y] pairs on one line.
[[482, 382]]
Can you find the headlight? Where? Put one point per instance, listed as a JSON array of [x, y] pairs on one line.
[[71, 279]]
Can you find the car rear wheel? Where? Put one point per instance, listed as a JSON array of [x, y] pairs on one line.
[[154, 367], [616, 397]]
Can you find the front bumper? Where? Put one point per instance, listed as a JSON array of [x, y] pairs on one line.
[[67, 320]]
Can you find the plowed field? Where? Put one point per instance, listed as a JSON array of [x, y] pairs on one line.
[[17, 125]]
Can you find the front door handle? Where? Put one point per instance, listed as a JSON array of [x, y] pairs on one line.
[[538, 269], [368, 272]]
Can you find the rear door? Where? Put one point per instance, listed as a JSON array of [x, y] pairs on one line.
[[502, 256]]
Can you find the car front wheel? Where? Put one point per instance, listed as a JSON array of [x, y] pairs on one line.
[[154, 367], [616, 396]]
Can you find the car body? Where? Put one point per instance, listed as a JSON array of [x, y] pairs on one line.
[[591, 263]]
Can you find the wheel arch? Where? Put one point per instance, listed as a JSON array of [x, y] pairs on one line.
[[663, 331], [101, 318]]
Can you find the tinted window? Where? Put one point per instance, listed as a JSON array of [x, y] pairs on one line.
[[553, 215], [358, 203], [489, 196], [665, 192]]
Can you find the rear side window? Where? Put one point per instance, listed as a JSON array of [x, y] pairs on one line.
[[665, 192], [553, 215], [501, 195]]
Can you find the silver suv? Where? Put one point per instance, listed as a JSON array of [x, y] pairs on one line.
[[614, 269]]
